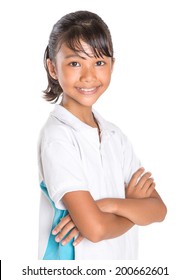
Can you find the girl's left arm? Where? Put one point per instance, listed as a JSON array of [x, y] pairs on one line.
[[141, 211], [142, 205]]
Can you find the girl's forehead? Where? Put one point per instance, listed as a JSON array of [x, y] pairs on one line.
[[81, 49]]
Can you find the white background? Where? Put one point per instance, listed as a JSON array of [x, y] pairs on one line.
[[147, 99]]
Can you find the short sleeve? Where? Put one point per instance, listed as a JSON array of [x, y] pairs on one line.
[[131, 162], [62, 170]]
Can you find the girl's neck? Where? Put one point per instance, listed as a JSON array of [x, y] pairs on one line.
[[83, 113]]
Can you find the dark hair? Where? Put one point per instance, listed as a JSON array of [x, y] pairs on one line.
[[71, 29]]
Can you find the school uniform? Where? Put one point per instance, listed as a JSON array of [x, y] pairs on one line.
[[71, 158]]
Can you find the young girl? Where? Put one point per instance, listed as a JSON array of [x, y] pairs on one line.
[[94, 190]]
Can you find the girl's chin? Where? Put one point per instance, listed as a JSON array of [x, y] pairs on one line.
[[81, 99]]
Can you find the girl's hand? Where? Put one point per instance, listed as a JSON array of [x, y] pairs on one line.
[[66, 226], [141, 185]]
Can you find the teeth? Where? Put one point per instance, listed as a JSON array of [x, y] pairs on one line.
[[87, 89]]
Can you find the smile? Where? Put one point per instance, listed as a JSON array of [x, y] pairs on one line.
[[88, 91]]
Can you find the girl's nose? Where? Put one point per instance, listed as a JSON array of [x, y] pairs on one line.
[[88, 74]]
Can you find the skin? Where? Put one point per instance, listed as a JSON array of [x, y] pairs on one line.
[[83, 80]]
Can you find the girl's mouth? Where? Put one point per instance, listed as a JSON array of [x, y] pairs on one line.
[[88, 91]]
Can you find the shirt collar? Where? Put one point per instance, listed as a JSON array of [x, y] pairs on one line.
[[68, 118]]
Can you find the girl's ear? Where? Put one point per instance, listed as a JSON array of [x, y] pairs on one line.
[[51, 68]]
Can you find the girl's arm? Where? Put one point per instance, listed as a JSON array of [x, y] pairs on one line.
[[90, 221], [142, 204], [141, 211]]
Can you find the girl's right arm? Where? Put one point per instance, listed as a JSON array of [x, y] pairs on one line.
[[90, 221]]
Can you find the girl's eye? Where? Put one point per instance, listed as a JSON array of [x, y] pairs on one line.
[[100, 63], [74, 64]]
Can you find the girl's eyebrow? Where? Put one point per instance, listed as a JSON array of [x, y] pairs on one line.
[[73, 56]]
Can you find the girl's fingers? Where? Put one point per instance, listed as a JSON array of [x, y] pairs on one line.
[[147, 184], [150, 189], [78, 240], [61, 224], [135, 177], [70, 236], [69, 226], [143, 180]]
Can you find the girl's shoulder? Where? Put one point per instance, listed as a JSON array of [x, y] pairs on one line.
[[54, 130]]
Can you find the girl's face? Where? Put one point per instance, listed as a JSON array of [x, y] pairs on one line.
[[82, 78]]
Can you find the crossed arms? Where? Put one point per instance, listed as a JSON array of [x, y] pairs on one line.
[[110, 217]]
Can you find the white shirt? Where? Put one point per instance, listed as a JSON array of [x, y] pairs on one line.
[[71, 158]]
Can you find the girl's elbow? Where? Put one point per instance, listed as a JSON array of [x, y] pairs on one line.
[[163, 213], [95, 238]]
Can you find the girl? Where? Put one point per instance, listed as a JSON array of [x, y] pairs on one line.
[[87, 165]]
